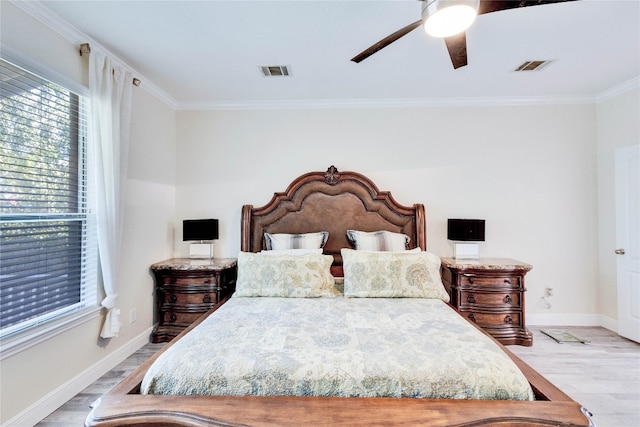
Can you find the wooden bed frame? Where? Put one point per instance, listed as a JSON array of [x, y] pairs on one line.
[[331, 201]]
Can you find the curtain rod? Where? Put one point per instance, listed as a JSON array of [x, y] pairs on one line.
[[85, 49]]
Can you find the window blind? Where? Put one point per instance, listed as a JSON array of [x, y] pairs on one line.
[[48, 250]]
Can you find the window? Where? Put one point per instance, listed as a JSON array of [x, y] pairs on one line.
[[48, 249]]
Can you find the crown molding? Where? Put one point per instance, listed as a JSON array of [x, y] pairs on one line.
[[37, 10], [384, 103], [624, 87], [69, 32]]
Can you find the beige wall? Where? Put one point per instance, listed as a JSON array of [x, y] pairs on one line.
[[618, 126], [542, 177], [530, 171], [38, 373]]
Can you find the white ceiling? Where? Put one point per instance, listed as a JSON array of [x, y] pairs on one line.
[[209, 52]]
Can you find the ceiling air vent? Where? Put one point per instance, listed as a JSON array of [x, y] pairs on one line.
[[533, 65], [274, 70]]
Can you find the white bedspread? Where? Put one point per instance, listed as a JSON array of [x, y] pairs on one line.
[[351, 347]]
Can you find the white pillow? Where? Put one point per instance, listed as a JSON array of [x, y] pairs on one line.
[[392, 275], [275, 252], [296, 241], [378, 240], [414, 250], [294, 276]]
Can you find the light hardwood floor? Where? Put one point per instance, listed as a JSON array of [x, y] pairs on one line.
[[604, 376]]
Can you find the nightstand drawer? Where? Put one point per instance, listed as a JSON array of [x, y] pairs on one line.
[[490, 281], [177, 318], [188, 280], [181, 298], [494, 319], [491, 293], [501, 300], [186, 289]]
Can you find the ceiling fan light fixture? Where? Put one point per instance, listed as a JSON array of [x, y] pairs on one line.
[[446, 18]]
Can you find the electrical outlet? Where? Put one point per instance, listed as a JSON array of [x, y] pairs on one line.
[[133, 315]]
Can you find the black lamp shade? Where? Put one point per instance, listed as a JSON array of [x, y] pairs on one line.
[[465, 230], [199, 229]]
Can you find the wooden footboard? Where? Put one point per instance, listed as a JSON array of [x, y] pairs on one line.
[[120, 407], [136, 410], [125, 406]]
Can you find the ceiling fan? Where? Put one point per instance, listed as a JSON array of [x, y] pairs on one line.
[[437, 14]]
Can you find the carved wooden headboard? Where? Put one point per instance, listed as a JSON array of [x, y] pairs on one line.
[[331, 201]]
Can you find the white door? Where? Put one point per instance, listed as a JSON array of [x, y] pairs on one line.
[[627, 174]]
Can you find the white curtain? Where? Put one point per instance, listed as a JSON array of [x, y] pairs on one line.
[[110, 85]]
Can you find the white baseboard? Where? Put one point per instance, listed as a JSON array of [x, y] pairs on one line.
[[609, 323], [565, 319], [58, 397]]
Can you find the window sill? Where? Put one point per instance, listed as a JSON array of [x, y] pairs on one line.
[[14, 344]]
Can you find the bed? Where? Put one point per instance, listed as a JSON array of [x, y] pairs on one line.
[[348, 209]]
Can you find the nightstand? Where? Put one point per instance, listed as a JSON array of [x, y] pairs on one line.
[[490, 292], [187, 288]]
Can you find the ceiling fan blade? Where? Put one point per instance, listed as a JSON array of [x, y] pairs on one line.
[[457, 47], [488, 6], [386, 42]]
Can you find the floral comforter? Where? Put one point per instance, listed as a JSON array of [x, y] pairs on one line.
[[350, 347]]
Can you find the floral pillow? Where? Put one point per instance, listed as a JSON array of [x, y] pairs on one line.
[[378, 240], [293, 276], [392, 275], [281, 241]]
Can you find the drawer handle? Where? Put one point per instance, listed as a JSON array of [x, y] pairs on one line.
[[173, 317], [173, 280], [173, 298], [207, 280], [206, 298], [472, 317], [508, 320], [507, 299], [471, 299], [507, 281]]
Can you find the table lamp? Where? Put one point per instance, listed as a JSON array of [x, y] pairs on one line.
[[463, 231], [202, 230]]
